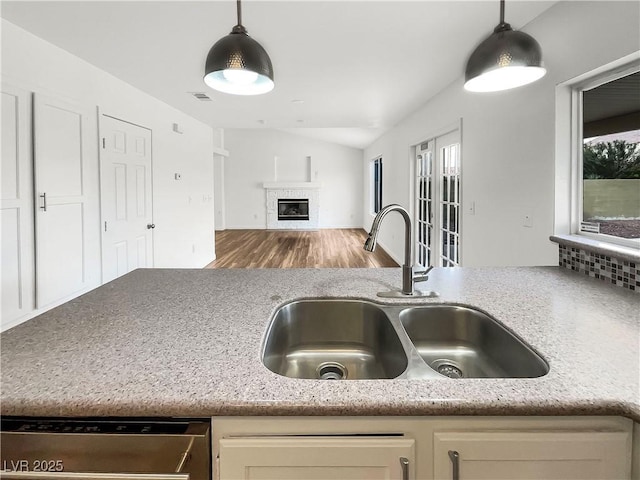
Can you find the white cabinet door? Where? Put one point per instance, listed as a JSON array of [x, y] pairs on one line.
[[16, 206], [126, 201], [66, 220], [533, 455], [316, 458]]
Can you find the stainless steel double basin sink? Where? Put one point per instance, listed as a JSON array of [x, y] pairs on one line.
[[335, 339]]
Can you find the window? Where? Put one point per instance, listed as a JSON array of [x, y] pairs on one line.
[[598, 154], [376, 186], [611, 158]]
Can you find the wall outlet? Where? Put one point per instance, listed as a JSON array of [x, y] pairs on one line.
[[177, 176]]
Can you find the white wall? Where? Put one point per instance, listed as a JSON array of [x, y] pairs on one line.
[[218, 176], [507, 139], [251, 162], [182, 210]]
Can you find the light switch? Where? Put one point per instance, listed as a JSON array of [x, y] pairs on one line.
[[178, 176], [528, 221], [471, 208]]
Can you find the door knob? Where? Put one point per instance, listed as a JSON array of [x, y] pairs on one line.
[[151, 225]]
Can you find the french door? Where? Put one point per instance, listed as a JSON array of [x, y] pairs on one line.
[[437, 212]]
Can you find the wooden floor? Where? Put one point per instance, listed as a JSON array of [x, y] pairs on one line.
[[296, 249]]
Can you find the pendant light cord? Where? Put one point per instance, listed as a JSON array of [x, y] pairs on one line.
[[502, 26], [240, 12]]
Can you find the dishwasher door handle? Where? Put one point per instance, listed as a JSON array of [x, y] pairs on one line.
[[17, 475]]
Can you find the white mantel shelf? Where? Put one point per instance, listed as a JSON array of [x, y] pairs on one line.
[[290, 185]]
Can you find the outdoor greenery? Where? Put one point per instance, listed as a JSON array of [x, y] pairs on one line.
[[617, 159]]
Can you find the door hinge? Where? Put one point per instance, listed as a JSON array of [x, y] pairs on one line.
[[105, 226], [104, 142]]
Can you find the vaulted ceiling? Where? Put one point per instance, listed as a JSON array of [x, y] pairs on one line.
[[345, 71]]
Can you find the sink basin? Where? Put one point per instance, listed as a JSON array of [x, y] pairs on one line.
[[461, 342], [333, 340]]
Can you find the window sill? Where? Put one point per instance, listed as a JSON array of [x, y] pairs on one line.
[[602, 248]]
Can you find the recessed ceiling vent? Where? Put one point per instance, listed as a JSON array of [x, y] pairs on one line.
[[203, 97]]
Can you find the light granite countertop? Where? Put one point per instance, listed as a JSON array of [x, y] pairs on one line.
[[186, 343]]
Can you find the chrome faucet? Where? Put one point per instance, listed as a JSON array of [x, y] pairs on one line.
[[409, 277]]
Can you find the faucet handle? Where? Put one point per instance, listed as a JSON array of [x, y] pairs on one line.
[[423, 275], [424, 272]]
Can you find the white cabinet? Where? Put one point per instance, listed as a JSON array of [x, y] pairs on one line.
[[496, 448], [16, 207], [49, 205], [316, 458], [515, 455], [66, 214]]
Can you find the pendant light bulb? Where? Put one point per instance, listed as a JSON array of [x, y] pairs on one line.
[[239, 77], [504, 60], [238, 65]]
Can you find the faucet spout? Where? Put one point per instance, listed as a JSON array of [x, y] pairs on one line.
[[370, 243], [407, 268]]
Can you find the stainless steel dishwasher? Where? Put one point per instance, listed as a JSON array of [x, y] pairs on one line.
[[61, 449]]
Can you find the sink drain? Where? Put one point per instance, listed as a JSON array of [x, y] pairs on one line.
[[331, 371], [447, 368]]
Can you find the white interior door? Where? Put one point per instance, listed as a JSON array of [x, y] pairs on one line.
[[126, 197], [16, 206], [62, 163]]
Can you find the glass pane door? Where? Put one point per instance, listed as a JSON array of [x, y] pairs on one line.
[[438, 210], [424, 204], [449, 200]]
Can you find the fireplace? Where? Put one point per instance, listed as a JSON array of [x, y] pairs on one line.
[[293, 209], [302, 217]]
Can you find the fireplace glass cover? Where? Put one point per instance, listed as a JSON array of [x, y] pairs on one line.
[[293, 209]]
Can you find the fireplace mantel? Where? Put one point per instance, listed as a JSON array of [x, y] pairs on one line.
[[291, 185]]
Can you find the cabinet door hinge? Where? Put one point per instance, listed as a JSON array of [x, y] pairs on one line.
[[105, 226], [104, 142]]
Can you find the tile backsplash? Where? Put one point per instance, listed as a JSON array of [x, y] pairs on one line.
[[624, 273]]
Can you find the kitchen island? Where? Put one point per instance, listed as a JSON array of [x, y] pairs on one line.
[[187, 343]]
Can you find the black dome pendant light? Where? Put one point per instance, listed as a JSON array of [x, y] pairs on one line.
[[238, 64], [506, 59]]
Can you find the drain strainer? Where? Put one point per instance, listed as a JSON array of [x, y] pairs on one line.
[[447, 368], [331, 371]]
